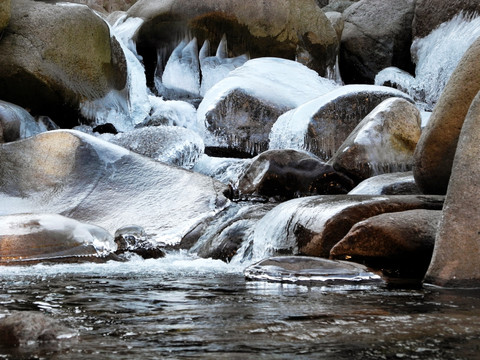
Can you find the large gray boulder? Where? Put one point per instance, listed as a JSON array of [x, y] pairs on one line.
[[90, 180], [383, 142], [281, 28], [53, 57], [436, 148], [431, 13], [456, 256], [377, 34]]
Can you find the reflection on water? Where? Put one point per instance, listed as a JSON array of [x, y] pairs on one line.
[[178, 308]]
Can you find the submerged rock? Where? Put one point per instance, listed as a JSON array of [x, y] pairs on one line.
[[383, 142], [456, 257], [321, 125], [311, 271], [401, 183], [91, 180], [286, 174], [400, 244], [32, 238], [377, 34], [16, 123], [313, 225], [54, 56], [22, 328], [240, 110], [437, 145]]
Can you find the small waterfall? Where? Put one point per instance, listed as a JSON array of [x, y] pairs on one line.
[[436, 57], [123, 110]]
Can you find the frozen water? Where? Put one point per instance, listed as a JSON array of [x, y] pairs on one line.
[[182, 71], [170, 144], [291, 130], [216, 68], [27, 125], [124, 109], [435, 56], [174, 112], [225, 170]]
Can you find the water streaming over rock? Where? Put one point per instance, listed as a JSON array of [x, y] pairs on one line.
[[435, 56]]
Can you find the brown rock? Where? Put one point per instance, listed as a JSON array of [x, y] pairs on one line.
[[456, 257], [313, 225], [401, 243], [286, 174], [377, 35], [5, 6], [383, 142], [53, 57], [436, 148]]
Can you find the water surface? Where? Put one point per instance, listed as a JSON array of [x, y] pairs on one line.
[[183, 308]]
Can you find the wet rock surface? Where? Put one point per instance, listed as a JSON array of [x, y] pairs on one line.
[[313, 225], [383, 142], [400, 244], [286, 174], [455, 259], [401, 183], [320, 126], [437, 145]]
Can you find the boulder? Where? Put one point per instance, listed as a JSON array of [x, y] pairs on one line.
[[229, 231], [400, 244], [431, 13], [22, 328], [133, 239], [286, 174], [456, 256], [241, 109], [5, 6], [16, 123], [377, 34], [311, 271], [436, 148], [338, 5], [33, 238], [170, 144], [313, 225], [90, 180], [321, 125], [337, 21], [55, 56], [261, 28], [401, 183], [383, 142]]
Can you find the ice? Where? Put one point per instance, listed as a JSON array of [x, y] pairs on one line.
[[225, 170], [124, 109], [11, 113], [182, 71], [436, 57], [170, 144], [174, 112], [216, 68]]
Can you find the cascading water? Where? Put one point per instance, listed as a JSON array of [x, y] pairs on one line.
[[435, 56]]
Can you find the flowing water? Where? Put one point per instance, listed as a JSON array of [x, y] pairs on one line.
[[184, 308]]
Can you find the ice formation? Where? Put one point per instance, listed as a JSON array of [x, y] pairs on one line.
[[435, 56]]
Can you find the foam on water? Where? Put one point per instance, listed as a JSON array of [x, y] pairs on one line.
[[436, 57]]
